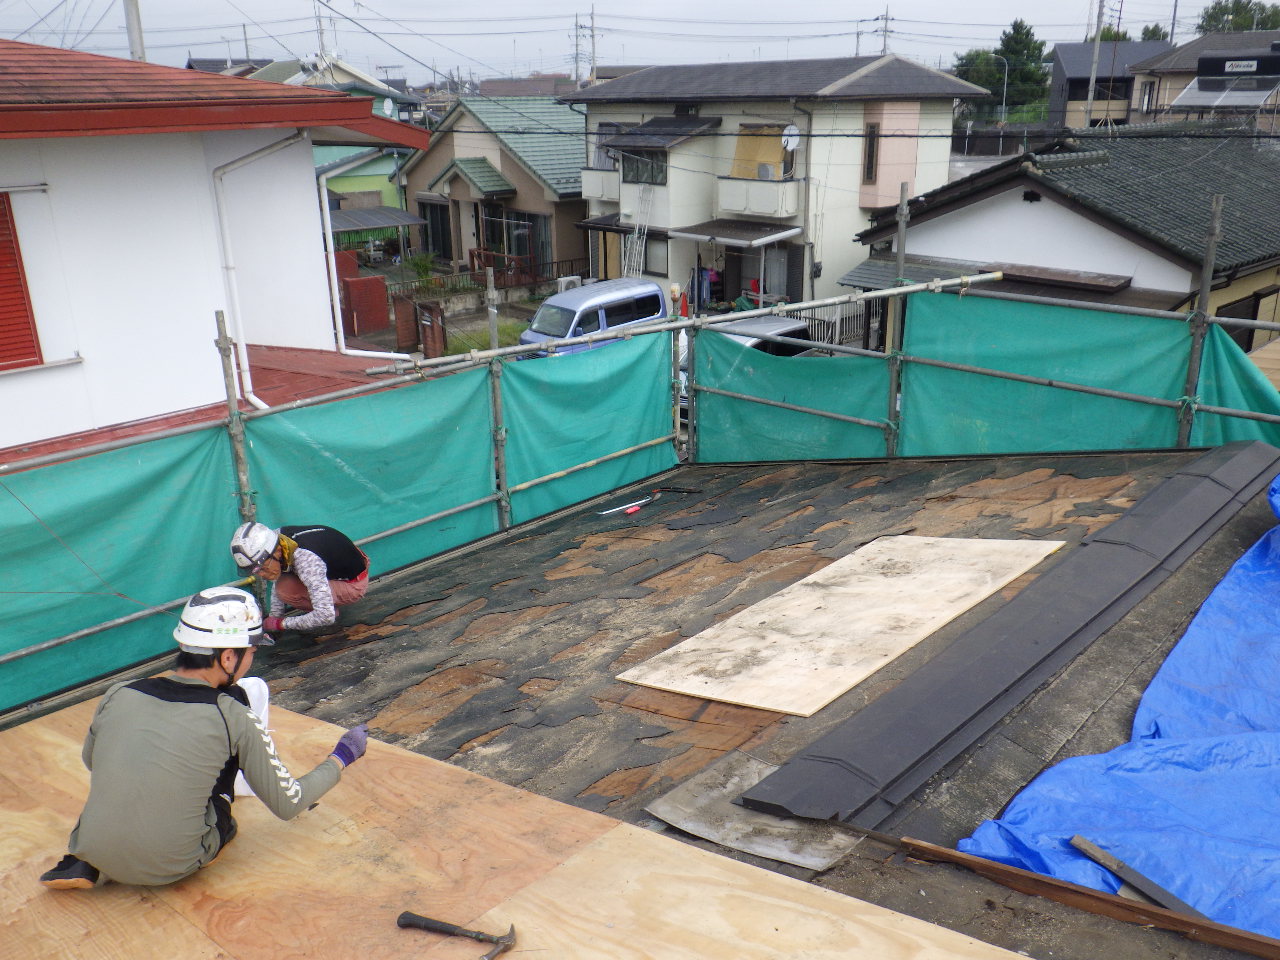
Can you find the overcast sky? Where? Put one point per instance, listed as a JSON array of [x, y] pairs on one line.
[[410, 37]]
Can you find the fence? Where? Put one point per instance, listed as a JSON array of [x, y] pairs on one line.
[[102, 548], [511, 272]]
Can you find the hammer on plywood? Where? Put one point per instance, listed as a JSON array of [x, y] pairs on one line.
[[502, 943]]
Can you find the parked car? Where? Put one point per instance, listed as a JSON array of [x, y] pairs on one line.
[[593, 307], [749, 333]]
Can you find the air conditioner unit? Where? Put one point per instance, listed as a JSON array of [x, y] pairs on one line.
[[567, 283]]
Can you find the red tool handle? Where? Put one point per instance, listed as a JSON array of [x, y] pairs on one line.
[[408, 919]]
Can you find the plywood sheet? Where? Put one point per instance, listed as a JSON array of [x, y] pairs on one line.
[[799, 649], [404, 832], [650, 896]]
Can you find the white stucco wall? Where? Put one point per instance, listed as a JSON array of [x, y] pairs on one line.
[[123, 265], [1007, 229]]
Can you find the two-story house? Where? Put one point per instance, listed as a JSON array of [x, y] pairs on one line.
[[1219, 74], [501, 184], [733, 179], [1107, 63]]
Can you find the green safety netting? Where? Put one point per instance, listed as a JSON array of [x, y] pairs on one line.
[[568, 409], [733, 430], [370, 464], [91, 540], [1228, 378], [947, 412]]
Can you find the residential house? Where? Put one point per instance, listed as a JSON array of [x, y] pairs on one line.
[[1121, 219], [734, 179], [501, 184], [133, 210], [227, 66], [1070, 103], [330, 73], [534, 85], [1219, 74]]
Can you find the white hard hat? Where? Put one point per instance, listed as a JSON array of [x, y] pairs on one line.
[[220, 618], [252, 543]]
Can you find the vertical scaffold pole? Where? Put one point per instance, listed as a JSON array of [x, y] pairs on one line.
[[1187, 414], [235, 422], [499, 444]]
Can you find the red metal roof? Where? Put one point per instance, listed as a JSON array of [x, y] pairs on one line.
[[51, 92]]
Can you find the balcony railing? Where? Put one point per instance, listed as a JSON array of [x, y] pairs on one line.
[[758, 198], [600, 184]]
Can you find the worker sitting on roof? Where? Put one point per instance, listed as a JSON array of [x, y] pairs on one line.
[[315, 569], [163, 754]]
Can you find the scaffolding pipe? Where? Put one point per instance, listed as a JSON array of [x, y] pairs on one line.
[[842, 417], [107, 446], [1187, 415], [101, 627], [499, 445], [691, 396], [235, 425], [442, 514], [1116, 308], [590, 463]]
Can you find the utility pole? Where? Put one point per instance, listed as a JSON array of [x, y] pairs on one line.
[[577, 36], [1093, 71], [592, 76], [1173, 22], [884, 32], [133, 26]]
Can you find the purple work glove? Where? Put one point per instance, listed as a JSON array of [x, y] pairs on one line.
[[351, 747], [272, 624]]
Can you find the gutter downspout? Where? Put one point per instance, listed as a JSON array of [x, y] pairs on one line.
[[229, 268], [808, 186], [339, 338]]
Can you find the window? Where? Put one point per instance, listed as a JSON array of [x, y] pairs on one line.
[[644, 166], [655, 257], [18, 344], [1148, 96], [437, 235], [871, 153], [605, 159]]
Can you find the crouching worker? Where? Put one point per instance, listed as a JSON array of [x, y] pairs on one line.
[[315, 569], [163, 754]]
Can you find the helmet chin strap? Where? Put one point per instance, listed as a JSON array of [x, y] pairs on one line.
[[231, 675]]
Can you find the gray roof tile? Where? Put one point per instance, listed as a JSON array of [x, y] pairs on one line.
[[841, 78], [545, 135], [1185, 57]]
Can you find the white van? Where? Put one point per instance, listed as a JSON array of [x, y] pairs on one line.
[[595, 307]]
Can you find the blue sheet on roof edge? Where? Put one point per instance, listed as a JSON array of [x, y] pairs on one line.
[[1192, 801]]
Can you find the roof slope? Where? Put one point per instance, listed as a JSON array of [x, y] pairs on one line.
[[51, 92], [849, 78], [542, 133], [1186, 56], [1114, 56], [1160, 187]]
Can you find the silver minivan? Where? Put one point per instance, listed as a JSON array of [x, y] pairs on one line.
[[595, 307]]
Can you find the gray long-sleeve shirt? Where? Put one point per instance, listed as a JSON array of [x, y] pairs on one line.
[[150, 818]]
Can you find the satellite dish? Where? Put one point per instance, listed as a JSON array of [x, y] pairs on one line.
[[790, 137]]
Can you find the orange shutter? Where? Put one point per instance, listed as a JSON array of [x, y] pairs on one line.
[[18, 345]]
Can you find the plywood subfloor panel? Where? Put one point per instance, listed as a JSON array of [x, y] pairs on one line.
[[405, 832], [798, 650], [651, 897]]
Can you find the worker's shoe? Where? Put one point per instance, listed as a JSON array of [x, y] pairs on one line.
[[71, 873]]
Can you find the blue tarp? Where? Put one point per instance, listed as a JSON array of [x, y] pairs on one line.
[[1192, 801]]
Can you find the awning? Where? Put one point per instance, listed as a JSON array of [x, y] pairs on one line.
[[479, 172], [1221, 92], [659, 133], [369, 218], [735, 233]]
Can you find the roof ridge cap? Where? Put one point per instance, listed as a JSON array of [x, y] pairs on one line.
[[857, 74]]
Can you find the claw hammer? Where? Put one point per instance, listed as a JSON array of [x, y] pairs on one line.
[[502, 943]]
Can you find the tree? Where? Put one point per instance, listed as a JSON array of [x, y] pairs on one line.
[[1153, 31], [1109, 34], [1234, 16], [1024, 56]]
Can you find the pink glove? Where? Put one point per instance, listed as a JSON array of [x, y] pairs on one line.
[[272, 624]]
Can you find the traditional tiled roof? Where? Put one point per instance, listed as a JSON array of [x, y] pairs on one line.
[[1156, 184], [546, 136], [842, 78], [479, 172], [1185, 57], [52, 92]]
